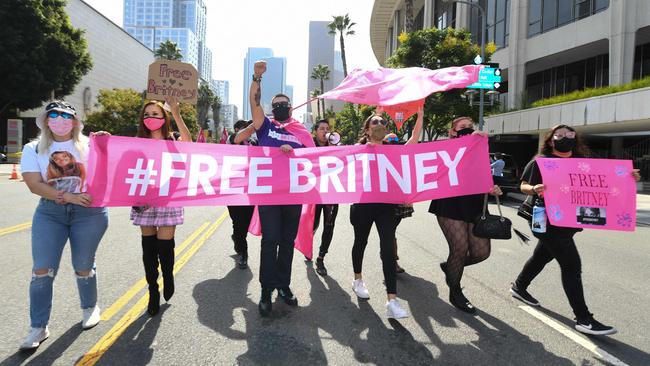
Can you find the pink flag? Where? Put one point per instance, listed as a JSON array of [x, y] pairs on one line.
[[224, 136], [200, 137], [389, 87]]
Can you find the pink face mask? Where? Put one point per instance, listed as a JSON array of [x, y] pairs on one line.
[[154, 123], [60, 126]]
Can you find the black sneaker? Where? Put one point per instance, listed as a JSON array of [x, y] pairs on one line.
[[242, 261], [265, 306], [458, 299], [320, 267], [288, 297], [594, 327], [523, 295]]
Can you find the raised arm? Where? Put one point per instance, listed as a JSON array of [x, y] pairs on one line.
[[243, 134], [255, 94], [176, 113], [417, 130]]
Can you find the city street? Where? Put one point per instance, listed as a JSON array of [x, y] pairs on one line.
[[213, 318]]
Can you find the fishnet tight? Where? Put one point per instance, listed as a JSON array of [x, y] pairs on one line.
[[465, 249]]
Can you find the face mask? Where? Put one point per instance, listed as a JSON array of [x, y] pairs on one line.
[[464, 132], [378, 132], [281, 113], [154, 123], [60, 126], [564, 145]]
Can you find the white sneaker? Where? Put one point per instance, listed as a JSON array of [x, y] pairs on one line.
[[395, 310], [360, 289], [34, 338], [91, 317]]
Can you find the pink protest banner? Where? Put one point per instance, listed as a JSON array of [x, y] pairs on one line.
[[130, 171], [589, 193]]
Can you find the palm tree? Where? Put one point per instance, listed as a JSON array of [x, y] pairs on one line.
[[216, 107], [168, 50], [314, 94], [343, 25], [322, 73], [203, 103]]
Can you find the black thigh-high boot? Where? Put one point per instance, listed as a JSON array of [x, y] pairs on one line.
[[166, 255], [150, 261]]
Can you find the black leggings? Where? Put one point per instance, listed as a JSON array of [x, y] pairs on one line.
[[241, 219], [362, 216], [329, 219], [563, 249], [465, 249]]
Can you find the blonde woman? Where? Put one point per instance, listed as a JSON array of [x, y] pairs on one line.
[[63, 214]]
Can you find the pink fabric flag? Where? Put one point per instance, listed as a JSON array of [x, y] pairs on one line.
[[200, 137], [589, 193], [401, 112], [389, 87], [224, 136]]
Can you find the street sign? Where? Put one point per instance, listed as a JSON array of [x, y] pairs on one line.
[[488, 78]]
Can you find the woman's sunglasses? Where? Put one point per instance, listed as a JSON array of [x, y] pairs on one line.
[[392, 139], [377, 121], [569, 135], [55, 114]]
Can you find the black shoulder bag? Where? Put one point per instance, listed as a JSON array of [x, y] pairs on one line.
[[492, 226]]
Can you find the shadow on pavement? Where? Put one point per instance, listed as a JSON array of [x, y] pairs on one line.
[[497, 344], [136, 341], [626, 353], [51, 353]]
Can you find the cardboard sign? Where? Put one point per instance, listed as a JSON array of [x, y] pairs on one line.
[[589, 193], [174, 79]]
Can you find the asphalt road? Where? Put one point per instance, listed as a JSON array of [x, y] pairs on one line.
[[212, 319]]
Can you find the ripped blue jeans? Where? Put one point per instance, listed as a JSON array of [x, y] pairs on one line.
[[52, 226]]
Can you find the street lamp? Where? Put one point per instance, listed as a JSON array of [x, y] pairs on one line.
[[483, 33]]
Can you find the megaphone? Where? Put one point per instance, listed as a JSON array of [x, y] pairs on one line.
[[333, 138]]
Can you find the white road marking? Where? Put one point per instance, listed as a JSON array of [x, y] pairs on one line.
[[580, 340]]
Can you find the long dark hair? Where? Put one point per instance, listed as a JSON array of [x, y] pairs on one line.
[[580, 149], [143, 131]]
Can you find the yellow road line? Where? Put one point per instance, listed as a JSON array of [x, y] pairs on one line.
[[98, 350], [15, 228], [124, 299]]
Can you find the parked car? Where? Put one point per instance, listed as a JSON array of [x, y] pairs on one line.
[[511, 173]]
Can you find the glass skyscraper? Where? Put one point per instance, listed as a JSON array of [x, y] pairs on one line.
[[274, 82], [180, 21]]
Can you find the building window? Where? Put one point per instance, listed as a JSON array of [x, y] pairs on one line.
[[498, 14], [590, 73], [641, 61], [546, 15]]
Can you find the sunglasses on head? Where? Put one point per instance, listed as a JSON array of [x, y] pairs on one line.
[[392, 139], [55, 114], [281, 104], [376, 121]]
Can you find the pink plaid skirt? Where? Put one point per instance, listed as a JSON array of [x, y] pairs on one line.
[[158, 216]]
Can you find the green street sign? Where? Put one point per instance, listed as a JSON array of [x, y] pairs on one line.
[[488, 78]]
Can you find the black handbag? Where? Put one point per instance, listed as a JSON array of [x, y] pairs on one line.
[[492, 226], [526, 208]]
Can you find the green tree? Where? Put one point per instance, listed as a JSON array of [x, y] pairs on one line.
[[435, 49], [349, 122], [216, 108], [322, 73], [168, 50], [314, 94], [41, 53], [203, 104], [119, 113], [343, 25]]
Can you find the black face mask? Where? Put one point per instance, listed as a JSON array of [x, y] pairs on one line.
[[464, 132], [281, 113], [564, 144]]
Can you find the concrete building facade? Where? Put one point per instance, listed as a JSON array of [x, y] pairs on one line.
[[120, 67], [547, 48]]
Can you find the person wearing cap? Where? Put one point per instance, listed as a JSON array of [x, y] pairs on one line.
[[280, 223], [323, 137], [158, 224], [53, 167], [240, 215]]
